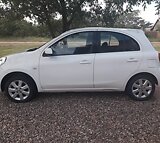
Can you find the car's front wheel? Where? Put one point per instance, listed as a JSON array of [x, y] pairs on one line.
[[20, 89], [141, 87]]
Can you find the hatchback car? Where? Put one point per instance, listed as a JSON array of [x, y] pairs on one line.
[[86, 59]]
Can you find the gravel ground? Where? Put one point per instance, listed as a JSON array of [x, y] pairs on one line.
[[80, 118]]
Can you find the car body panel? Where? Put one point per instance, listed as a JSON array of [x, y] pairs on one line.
[[113, 69], [71, 71], [107, 71]]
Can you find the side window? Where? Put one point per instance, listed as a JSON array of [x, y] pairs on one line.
[[116, 42], [79, 43], [105, 38], [113, 41]]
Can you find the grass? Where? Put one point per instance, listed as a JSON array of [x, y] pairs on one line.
[[154, 39], [157, 46], [10, 48], [24, 39], [7, 47]]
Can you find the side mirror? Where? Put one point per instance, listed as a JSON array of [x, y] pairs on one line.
[[48, 52]]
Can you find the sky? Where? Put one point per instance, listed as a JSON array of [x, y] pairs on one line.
[[149, 14]]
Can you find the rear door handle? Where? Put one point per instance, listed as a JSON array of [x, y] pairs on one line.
[[132, 60], [85, 62]]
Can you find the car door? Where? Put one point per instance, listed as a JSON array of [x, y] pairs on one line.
[[71, 65], [118, 57]]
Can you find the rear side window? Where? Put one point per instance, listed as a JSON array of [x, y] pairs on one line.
[[116, 42]]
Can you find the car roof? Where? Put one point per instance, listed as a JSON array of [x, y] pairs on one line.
[[122, 30], [104, 29]]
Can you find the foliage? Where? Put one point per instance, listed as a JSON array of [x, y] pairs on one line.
[[132, 20], [56, 16], [45, 11], [14, 28], [158, 6]]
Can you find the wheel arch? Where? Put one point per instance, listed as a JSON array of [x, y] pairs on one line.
[[143, 74], [9, 75]]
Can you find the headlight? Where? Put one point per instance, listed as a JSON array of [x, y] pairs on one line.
[[3, 60]]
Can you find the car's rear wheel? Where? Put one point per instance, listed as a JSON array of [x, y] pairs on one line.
[[141, 87], [20, 89]]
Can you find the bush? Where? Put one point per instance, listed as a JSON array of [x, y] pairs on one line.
[[21, 28]]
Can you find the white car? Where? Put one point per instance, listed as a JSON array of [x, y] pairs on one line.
[[86, 59]]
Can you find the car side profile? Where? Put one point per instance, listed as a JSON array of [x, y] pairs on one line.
[[85, 59]]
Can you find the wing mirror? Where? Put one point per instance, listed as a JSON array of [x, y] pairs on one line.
[[48, 52]]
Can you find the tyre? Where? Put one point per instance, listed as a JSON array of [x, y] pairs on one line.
[[141, 87], [20, 89]]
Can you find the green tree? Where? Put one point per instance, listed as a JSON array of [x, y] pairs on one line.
[[132, 20], [112, 14], [8, 21], [158, 6], [72, 11], [45, 11], [69, 9]]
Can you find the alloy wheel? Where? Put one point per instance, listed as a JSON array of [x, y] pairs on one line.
[[18, 90], [142, 88]]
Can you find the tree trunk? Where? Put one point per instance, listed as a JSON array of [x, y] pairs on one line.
[[65, 23], [50, 28], [48, 22], [49, 25]]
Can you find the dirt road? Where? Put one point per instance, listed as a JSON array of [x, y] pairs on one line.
[[80, 117]]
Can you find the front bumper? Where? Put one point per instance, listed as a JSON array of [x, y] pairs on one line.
[[0, 87]]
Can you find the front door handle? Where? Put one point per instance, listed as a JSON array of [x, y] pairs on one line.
[[85, 62]]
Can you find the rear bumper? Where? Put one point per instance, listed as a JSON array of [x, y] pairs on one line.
[[0, 89], [0, 86]]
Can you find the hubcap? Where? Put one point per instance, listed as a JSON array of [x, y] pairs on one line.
[[142, 88], [19, 90]]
